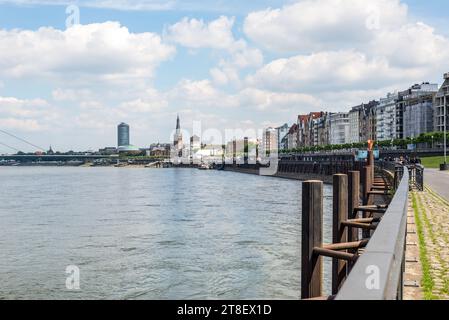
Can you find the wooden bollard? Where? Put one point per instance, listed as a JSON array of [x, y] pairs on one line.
[[370, 159], [339, 232], [367, 184], [353, 201], [370, 163], [367, 200], [312, 236]]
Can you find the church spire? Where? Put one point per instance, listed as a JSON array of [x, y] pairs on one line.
[[178, 125]]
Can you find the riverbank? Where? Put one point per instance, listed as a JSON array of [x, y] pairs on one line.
[[253, 171], [290, 176]]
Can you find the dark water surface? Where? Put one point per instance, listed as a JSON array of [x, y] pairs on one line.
[[150, 234]]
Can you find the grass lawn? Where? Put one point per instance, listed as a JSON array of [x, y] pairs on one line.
[[432, 162]]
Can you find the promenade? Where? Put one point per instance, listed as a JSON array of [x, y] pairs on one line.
[[427, 267], [438, 181]]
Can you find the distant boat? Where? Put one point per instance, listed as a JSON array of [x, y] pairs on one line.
[[204, 166], [120, 165]]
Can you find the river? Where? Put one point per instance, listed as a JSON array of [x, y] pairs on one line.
[[150, 234]]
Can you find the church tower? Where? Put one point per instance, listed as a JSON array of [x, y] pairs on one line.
[[178, 143]]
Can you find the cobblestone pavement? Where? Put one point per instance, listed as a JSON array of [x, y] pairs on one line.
[[429, 214], [413, 270]]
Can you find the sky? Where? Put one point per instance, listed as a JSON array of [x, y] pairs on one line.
[[71, 71]]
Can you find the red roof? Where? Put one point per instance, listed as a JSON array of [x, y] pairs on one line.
[[293, 129]]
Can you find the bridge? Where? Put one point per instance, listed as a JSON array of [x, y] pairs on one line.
[[55, 158]]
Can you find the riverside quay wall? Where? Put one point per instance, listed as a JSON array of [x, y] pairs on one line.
[[313, 167]]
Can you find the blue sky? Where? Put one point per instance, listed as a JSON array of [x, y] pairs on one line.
[[241, 65]]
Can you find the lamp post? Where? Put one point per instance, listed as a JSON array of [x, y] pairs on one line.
[[445, 130], [444, 166]]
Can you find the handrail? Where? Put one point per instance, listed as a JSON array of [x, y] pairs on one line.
[[378, 273]]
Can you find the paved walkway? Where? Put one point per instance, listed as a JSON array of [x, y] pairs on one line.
[[429, 226], [413, 271], [438, 181]]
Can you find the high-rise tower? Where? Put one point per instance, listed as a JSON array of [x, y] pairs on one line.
[[122, 135]]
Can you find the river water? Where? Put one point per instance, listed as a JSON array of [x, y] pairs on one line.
[[150, 234]]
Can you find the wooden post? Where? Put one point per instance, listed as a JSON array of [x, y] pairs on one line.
[[371, 164], [339, 232], [367, 183], [353, 201], [370, 159], [312, 236], [367, 200]]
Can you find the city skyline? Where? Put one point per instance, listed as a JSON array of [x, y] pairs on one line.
[[214, 65]]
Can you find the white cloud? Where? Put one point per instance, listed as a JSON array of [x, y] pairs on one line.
[[277, 101], [152, 101], [219, 76], [27, 115], [193, 33], [21, 124], [244, 56], [71, 94], [217, 34], [311, 25], [329, 71], [414, 45], [105, 52], [195, 94]]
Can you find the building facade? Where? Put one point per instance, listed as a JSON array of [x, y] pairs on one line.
[[386, 117], [362, 122], [123, 137], [301, 129], [195, 144], [354, 125], [159, 150], [441, 107], [367, 121], [270, 142], [292, 137], [282, 131], [418, 109], [338, 125], [322, 129]]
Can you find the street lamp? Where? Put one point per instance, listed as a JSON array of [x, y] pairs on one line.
[[444, 166], [445, 131]]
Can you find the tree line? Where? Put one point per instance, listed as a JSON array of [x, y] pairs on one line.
[[430, 139]]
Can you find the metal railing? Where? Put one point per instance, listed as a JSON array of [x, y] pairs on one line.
[[378, 273], [416, 173]]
